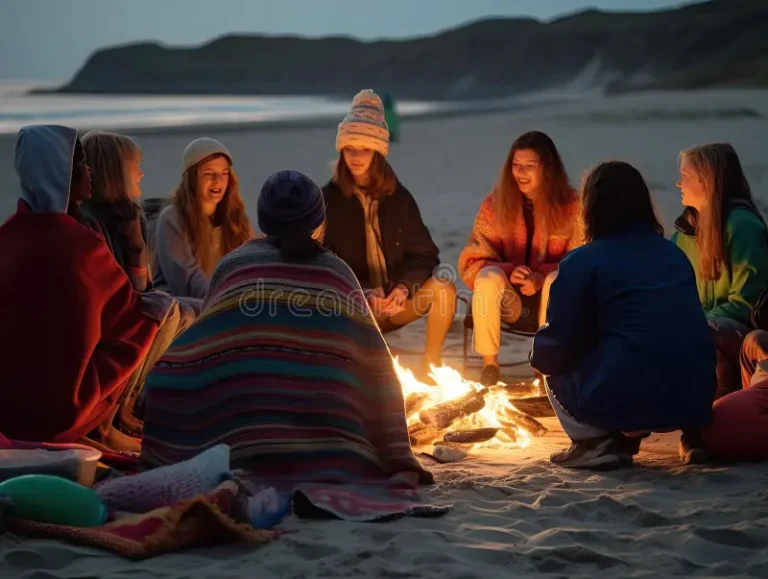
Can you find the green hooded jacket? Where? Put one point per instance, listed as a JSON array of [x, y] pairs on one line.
[[746, 270]]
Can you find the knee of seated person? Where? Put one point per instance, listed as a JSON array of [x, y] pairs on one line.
[[442, 290], [438, 292], [490, 277]]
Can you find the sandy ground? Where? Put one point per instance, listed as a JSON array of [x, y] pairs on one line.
[[514, 512]]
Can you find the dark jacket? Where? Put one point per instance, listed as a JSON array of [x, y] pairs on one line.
[[123, 227], [408, 248], [626, 345]]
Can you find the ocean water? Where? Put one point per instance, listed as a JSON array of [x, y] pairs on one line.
[[157, 112]]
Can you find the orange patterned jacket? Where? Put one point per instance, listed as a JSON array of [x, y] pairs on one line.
[[488, 245]]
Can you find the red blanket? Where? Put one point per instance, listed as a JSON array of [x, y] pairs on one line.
[[72, 330]]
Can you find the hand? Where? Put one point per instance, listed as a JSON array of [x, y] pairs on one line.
[[519, 274], [395, 301], [375, 299], [532, 285]]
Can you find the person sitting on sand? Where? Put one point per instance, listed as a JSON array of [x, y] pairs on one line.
[[285, 364], [204, 221], [725, 238], [74, 327], [623, 351], [375, 225], [523, 229], [113, 211]]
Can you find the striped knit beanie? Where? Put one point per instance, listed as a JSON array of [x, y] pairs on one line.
[[365, 125], [289, 203]]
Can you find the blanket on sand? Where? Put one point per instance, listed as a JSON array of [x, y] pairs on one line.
[[204, 520], [287, 366]]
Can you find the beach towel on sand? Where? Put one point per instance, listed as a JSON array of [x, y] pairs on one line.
[[204, 520], [287, 367]]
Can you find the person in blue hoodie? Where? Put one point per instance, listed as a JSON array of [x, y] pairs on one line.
[[626, 347]]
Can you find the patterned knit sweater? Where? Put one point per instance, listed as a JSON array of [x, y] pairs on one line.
[[489, 245]]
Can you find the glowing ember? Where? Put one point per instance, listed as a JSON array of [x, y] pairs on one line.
[[452, 386]]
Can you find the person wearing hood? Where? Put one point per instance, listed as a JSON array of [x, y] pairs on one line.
[[74, 329]]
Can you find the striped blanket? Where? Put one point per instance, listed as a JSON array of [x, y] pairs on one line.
[[285, 365]]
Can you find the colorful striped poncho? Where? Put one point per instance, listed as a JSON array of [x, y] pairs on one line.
[[286, 366]]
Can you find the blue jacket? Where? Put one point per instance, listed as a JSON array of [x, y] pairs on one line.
[[626, 345]]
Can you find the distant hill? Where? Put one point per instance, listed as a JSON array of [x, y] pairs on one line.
[[716, 43]]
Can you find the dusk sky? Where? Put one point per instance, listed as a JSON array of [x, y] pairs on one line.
[[51, 39]]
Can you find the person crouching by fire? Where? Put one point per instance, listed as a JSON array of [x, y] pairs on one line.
[[626, 347]]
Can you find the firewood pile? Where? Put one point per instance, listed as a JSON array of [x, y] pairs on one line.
[[498, 416]]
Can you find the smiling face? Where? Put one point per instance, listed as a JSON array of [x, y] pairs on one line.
[[691, 185], [212, 183], [358, 161], [528, 171]]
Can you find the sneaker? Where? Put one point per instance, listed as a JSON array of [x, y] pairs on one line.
[[590, 454], [489, 376], [691, 449]]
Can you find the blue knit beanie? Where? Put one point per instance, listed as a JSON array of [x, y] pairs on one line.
[[290, 203]]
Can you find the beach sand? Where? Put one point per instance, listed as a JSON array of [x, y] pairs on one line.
[[515, 514]]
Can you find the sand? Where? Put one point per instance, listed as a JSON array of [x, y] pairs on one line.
[[515, 514]]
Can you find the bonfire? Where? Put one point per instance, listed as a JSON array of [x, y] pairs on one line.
[[463, 415]]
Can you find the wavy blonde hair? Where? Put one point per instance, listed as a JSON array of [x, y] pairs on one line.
[[230, 215], [107, 154], [723, 181]]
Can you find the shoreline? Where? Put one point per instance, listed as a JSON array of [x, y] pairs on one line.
[[433, 111]]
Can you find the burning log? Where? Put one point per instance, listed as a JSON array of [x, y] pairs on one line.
[[510, 433], [470, 436], [524, 421], [414, 402], [443, 415], [521, 390], [421, 434], [538, 406]]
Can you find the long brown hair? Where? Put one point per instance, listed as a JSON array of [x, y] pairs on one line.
[[551, 206], [723, 180], [382, 180], [230, 215], [107, 153], [615, 199]]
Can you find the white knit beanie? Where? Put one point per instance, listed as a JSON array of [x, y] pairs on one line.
[[365, 125], [199, 149]]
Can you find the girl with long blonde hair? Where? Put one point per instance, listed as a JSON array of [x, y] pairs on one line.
[[725, 238], [524, 227], [204, 221]]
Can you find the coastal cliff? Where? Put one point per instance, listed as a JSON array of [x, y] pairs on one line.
[[710, 44]]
